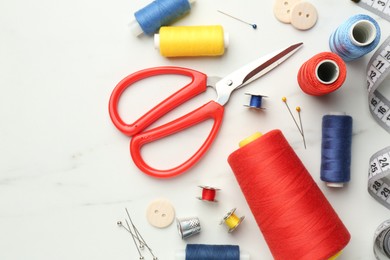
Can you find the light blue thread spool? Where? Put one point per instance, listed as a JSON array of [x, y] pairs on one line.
[[336, 149], [256, 101], [356, 37], [159, 13]]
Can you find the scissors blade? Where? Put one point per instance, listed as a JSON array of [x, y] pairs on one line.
[[252, 71]]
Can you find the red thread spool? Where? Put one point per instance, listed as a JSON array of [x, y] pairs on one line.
[[296, 219], [322, 74], [208, 193]]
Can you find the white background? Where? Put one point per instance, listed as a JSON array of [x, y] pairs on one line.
[[66, 175]]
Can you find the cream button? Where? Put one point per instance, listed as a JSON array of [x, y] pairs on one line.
[[303, 16], [160, 213], [283, 8]]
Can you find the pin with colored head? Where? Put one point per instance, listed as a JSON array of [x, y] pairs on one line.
[[208, 194], [256, 101], [254, 26], [231, 220]]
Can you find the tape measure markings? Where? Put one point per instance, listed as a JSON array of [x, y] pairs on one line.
[[381, 241], [377, 71], [379, 7], [378, 181]]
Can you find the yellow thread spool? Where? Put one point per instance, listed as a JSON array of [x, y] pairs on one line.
[[231, 220], [189, 41]]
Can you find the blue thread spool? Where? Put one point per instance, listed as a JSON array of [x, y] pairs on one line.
[[336, 149], [211, 252], [256, 101], [356, 37], [159, 13]]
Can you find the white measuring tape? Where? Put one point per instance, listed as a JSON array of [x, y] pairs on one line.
[[379, 177], [377, 71], [382, 241], [379, 7]]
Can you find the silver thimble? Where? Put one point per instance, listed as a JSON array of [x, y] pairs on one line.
[[188, 226]]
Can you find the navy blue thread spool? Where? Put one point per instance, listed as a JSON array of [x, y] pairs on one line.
[[336, 149], [211, 252], [159, 13], [256, 101]]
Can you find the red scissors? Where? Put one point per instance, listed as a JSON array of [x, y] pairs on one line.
[[211, 110]]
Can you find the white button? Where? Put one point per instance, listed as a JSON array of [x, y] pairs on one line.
[[303, 16], [160, 213], [283, 8]]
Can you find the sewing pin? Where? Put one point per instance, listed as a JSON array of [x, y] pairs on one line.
[[298, 109], [284, 99], [120, 224], [139, 237], [254, 26]]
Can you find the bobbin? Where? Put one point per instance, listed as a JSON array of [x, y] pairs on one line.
[[208, 193], [231, 220], [256, 101], [188, 226]]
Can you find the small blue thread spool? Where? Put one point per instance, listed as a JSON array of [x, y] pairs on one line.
[[356, 37], [256, 101], [159, 13], [336, 149]]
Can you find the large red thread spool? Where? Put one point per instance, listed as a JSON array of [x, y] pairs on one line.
[[322, 74], [296, 219]]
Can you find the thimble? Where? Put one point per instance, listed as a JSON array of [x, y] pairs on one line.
[[188, 226]]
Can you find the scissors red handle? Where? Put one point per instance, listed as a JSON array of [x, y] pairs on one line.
[[211, 110], [196, 86]]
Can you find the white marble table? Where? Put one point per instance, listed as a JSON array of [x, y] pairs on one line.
[[66, 175]]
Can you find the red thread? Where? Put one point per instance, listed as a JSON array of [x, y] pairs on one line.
[[296, 219], [322, 74], [208, 194]]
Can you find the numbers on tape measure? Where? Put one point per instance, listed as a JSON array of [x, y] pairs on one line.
[[379, 176], [381, 6], [376, 185]]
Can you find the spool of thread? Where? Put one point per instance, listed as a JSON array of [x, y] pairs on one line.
[[188, 226], [208, 194], [190, 41], [211, 252], [336, 149], [231, 220], [159, 13], [322, 74], [291, 211], [256, 101], [356, 37]]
